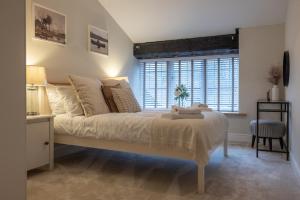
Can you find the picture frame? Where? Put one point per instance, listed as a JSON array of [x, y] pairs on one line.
[[98, 40], [49, 25]]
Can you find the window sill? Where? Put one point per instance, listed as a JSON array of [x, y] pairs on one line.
[[235, 114]]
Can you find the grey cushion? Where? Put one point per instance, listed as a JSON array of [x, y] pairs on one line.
[[268, 128]]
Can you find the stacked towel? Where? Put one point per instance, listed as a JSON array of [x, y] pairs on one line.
[[180, 110], [202, 107], [183, 113]]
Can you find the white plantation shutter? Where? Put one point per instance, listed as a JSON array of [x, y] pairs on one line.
[[186, 79], [155, 84], [198, 91], [236, 83], [214, 81], [226, 84], [149, 88], [161, 85], [140, 88], [173, 74]]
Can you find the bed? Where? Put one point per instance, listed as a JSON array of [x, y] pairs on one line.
[[147, 133]]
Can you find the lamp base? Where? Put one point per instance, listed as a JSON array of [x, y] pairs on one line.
[[32, 100]]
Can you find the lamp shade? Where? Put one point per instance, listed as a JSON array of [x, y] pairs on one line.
[[36, 75]]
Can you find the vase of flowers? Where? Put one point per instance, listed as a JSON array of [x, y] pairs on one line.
[[181, 94], [275, 76]]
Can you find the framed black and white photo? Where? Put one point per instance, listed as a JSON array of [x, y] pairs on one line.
[[49, 25], [97, 40]]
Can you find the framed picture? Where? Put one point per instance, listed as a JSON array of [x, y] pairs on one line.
[[49, 25], [97, 40]]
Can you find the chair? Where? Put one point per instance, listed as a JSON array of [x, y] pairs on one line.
[[268, 129]]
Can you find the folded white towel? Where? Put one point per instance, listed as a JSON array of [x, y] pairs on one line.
[[202, 107], [180, 110], [175, 116], [199, 105]]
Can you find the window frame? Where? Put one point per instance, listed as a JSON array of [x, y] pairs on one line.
[[235, 59]]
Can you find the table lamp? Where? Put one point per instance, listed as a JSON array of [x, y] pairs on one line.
[[35, 78]]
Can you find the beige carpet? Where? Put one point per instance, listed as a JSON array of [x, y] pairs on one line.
[[105, 175]]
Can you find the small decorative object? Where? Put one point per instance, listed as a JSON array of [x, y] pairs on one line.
[[35, 77], [275, 76], [49, 25], [98, 40], [181, 94], [286, 68]]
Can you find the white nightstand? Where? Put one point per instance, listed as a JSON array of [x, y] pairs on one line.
[[40, 141]]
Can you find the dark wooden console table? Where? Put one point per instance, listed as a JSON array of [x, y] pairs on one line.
[[283, 108]]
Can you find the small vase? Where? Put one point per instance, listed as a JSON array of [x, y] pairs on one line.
[[275, 93], [181, 102]]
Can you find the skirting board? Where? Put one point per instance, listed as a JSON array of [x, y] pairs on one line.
[[239, 138], [295, 165]]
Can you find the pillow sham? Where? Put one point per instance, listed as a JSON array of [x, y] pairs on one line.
[[55, 100], [113, 82], [89, 93], [71, 103], [125, 100], [108, 96]]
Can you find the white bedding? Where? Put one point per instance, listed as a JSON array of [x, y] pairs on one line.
[[197, 136]]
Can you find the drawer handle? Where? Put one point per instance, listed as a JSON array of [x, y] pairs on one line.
[[46, 143]]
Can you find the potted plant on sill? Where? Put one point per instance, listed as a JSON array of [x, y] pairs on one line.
[[181, 94]]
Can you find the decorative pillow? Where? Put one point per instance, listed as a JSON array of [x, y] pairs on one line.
[[125, 100], [108, 96], [113, 82], [55, 100], [71, 103], [89, 94]]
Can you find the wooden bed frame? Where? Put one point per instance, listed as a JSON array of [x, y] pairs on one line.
[[127, 147], [139, 149]]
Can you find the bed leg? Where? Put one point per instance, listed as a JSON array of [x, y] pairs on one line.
[[201, 179], [226, 145]]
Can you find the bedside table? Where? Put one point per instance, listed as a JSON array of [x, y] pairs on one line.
[[40, 141]]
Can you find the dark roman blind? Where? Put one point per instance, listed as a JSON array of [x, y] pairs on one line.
[[210, 80]]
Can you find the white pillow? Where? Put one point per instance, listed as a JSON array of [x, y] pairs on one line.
[[114, 82], [125, 100], [90, 95], [71, 103], [55, 100]]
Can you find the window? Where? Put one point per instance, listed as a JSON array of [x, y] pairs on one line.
[[214, 81]]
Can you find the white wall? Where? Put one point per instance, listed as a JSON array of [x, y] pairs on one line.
[[12, 102], [292, 91], [74, 57], [260, 47]]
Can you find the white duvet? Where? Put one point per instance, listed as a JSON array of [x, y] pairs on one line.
[[197, 136]]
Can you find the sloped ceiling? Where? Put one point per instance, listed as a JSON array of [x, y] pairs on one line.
[[157, 20]]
